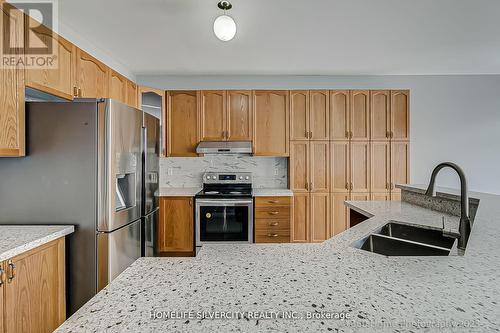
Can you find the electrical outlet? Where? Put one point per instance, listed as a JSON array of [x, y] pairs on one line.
[[276, 171], [170, 171]]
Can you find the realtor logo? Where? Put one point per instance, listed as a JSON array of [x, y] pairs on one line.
[[28, 34]]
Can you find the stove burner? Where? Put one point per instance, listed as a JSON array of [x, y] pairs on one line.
[[235, 192]]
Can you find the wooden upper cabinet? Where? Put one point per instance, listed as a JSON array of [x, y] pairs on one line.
[[400, 117], [380, 166], [176, 225], [144, 94], [319, 118], [359, 119], [299, 166], [57, 80], [339, 114], [271, 130], [12, 139], [360, 167], [340, 166], [338, 212], [299, 115], [380, 102], [131, 94], [400, 163], [239, 115], [319, 158], [182, 123], [213, 115], [35, 296], [92, 78], [320, 216], [300, 218], [117, 87]]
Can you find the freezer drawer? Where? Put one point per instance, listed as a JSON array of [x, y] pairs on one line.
[[116, 251]]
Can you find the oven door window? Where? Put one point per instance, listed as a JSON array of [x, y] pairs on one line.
[[221, 224]]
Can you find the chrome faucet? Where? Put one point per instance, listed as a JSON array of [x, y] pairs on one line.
[[464, 227]]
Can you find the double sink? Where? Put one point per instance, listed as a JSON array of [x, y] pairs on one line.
[[399, 239]]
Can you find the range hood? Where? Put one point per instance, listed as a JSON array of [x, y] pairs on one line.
[[224, 147]]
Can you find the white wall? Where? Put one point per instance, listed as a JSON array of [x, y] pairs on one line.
[[453, 118]]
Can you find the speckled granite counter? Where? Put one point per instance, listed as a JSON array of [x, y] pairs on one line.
[[272, 192], [178, 191], [377, 293], [16, 239]]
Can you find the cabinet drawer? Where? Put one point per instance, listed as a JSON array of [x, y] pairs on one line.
[[272, 201], [272, 225], [272, 212], [272, 236]]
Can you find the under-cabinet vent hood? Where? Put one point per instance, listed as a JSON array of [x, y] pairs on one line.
[[224, 147]]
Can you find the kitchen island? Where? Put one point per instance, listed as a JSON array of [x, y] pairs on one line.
[[331, 286]]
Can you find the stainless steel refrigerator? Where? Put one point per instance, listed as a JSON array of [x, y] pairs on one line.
[[83, 167]]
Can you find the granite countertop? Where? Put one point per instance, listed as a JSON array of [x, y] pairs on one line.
[[272, 192], [330, 279], [191, 192], [17, 239]]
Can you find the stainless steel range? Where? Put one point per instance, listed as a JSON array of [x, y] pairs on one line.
[[224, 209]]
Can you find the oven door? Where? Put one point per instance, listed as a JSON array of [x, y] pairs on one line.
[[224, 220]]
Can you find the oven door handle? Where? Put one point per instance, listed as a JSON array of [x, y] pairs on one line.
[[224, 203]]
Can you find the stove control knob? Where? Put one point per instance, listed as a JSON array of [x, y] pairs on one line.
[[241, 177], [208, 177], [247, 178]]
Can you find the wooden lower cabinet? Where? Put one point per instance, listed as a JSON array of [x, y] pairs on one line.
[[320, 217], [300, 217], [382, 196], [34, 290], [176, 226], [272, 219], [310, 217], [338, 213]]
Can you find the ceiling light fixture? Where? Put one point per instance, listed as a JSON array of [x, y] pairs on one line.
[[224, 25]]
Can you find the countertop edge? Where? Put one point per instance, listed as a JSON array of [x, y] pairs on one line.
[[36, 243]]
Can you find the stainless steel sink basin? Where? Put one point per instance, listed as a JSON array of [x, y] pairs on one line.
[[397, 239]]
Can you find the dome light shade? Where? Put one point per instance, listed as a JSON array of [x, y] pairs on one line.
[[224, 28]]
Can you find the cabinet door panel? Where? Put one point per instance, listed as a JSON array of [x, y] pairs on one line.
[[92, 76], [339, 212], [340, 166], [360, 166], [176, 225], [396, 196], [132, 98], [320, 217], [143, 95], [319, 115], [400, 163], [213, 115], [360, 115], [300, 218], [239, 115], [12, 140], [380, 101], [60, 79], [299, 164], [182, 123], [118, 87], [319, 166], [400, 118], [271, 114], [380, 166], [339, 114], [383, 196], [299, 115]]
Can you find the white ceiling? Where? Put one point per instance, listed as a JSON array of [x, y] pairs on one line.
[[308, 37]]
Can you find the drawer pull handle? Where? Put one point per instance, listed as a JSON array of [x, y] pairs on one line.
[[273, 201], [274, 224], [12, 271], [272, 235], [2, 276], [274, 213]]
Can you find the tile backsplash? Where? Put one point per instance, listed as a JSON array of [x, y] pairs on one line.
[[267, 172]]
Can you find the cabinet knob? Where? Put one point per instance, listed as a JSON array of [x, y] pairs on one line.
[[346, 186], [347, 134], [274, 224], [274, 213], [272, 235], [12, 271], [310, 135], [75, 91], [273, 201]]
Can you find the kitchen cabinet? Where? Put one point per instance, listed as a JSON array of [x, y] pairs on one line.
[[154, 101], [117, 87], [12, 137], [58, 80], [310, 115], [34, 289], [340, 166], [339, 115], [176, 226], [300, 217], [360, 167], [381, 166], [299, 166], [272, 219], [92, 76], [320, 216], [400, 164], [338, 212], [239, 115], [384, 196], [400, 117], [132, 94], [310, 165], [213, 116], [271, 128], [359, 117], [182, 123], [380, 105]]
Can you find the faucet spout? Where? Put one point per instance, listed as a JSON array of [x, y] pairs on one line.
[[464, 227]]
